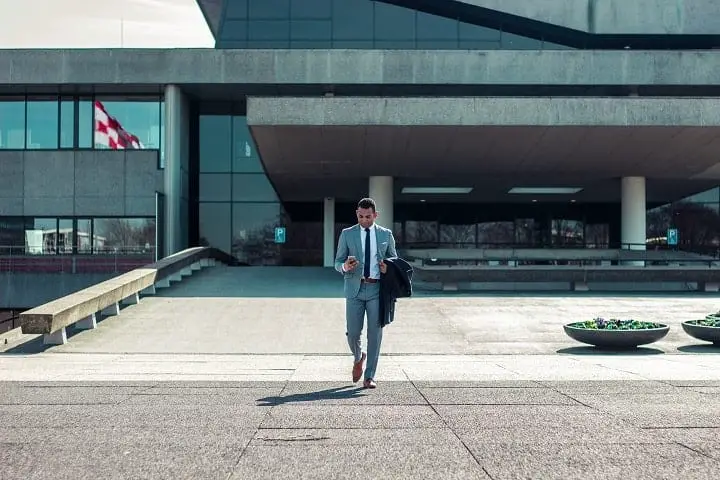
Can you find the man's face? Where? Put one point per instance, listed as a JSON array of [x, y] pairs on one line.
[[366, 217]]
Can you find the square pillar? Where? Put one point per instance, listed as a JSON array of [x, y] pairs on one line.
[[381, 190], [328, 232]]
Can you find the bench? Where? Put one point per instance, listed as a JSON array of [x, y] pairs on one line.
[[81, 308]]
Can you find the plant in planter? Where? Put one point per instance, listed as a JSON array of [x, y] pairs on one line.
[[707, 329], [616, 333]]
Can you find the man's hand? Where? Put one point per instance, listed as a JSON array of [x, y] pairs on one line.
[[383, 267], [350, 264]]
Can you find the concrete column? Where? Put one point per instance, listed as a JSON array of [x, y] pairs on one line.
[[175, 140], [381, 190], [633, 216], [633, 213], [328, 232]]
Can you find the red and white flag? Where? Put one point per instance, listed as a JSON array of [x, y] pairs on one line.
[[109, 133]]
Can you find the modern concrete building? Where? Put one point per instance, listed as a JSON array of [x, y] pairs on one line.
[[474, 124]]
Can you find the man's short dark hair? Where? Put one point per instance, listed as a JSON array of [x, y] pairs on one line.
[[367, 203]]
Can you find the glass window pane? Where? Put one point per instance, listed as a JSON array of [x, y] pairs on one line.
[[269, 30], [12, 235], [236, 9], [253, 233], [495, 234], [311, 8], [252, 188], [310, 44], [123, 235], [82, 236], [394, 23], [85, 123], [432, 27], [41, 236], [437, 44], [469, 31], [269, 44], [311, 30], [214, 187], [269, 9], [245, 155], [352, 20], [127, 123], [215, 143], [234, 30], [517, 42], [67, 124], [708, 196], [215, 225], [12, 123], [65, 235], [42, 123]]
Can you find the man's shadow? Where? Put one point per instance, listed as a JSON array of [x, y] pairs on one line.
[[337, 393]]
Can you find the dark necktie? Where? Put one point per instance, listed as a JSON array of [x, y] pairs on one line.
[[366, 267]]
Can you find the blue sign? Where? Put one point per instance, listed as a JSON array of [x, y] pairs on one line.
[[672, 236], [279, 234]]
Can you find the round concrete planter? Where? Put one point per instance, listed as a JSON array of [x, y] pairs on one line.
[[702, 332], [616, 339]]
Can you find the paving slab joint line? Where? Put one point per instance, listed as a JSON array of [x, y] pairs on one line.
[[462, 442], [257, 430], [697, 451]]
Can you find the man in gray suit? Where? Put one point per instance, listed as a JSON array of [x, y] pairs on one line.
[[360, 254]]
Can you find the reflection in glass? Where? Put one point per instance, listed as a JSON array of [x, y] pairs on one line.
[[215, 226], [457, 236], [597, 235], [83, 235], [698, 226], [657, 222], [123, 235], [41, 236], [64, 243], [421, 234], [495, 234], [215, 143], [67, 124], [214, 187], [138, 119], [42, 123], [245, 156], [567, 232], [252, 187], [708, 196], [524, 232], [12, 235], [85, 123], [12, 124], [253, 233]]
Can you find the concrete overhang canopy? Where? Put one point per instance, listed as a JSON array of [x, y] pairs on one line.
[[616, 17], [494, 144], [211, 68]]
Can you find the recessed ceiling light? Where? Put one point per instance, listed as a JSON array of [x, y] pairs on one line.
[[534, 200], [436, 190], [545, 190]]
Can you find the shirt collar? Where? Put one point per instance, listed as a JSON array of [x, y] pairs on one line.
[[372, 228]]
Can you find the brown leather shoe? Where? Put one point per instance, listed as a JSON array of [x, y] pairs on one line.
[[369, 383], [358, 368]]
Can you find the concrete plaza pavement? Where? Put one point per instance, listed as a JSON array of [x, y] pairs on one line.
[[244, 373]]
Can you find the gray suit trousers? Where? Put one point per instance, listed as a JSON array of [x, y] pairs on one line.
[[367, 302]]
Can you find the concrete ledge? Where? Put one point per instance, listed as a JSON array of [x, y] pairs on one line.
[[51, 318]]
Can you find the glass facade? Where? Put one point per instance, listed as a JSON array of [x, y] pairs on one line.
[[238, 209], [73, 235], [363, 24], [52, 122], [696, 218]]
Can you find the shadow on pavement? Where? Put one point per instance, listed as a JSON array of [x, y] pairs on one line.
[[700, 348], [604, 351], [328, 394]]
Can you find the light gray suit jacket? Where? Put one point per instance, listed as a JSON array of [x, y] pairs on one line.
[[349, 244]]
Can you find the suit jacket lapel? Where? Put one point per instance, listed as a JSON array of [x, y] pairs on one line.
[[358, 243]]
